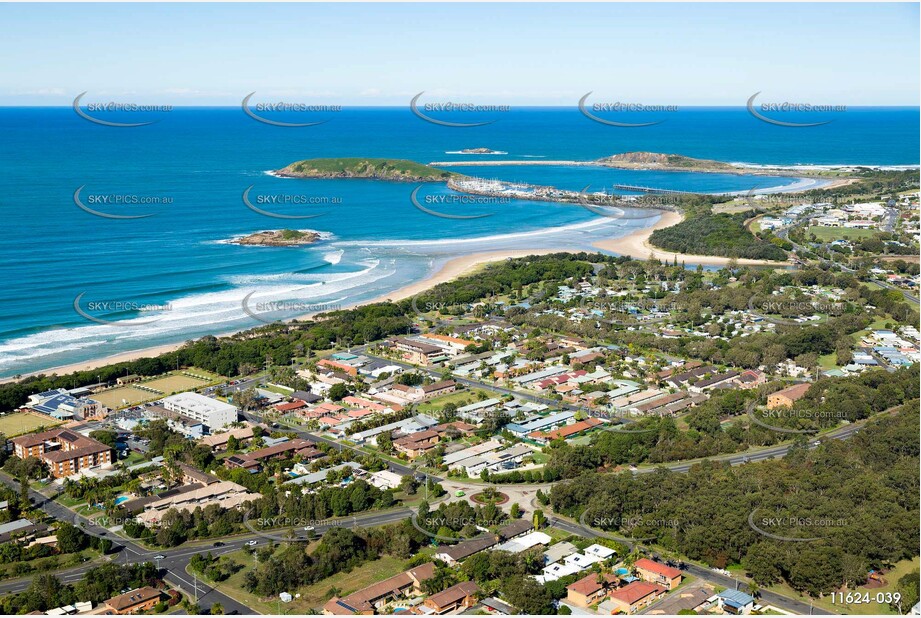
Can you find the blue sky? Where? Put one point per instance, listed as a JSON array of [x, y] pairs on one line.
[[535, 54]]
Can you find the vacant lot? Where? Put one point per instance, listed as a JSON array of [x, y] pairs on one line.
[[13, 425], [315, 595], [459, 398], [827, 234]]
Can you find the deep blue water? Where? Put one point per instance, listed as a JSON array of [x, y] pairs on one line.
[[203, 159]]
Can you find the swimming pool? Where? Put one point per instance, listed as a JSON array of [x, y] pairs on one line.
[[121, 500]]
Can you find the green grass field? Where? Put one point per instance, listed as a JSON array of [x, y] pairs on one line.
[[172, 382], [19, 423], [175, 383], [828, 234], [314, 595], [122, 397], [459, 398]]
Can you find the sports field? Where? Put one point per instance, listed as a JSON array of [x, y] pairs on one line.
[[168, 384], [18, 423], [123, 396], [175, 383]]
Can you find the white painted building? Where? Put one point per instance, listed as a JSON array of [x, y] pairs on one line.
[[211, 412]]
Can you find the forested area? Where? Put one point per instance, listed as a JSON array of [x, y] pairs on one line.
[[856, 500], [717, 234], [828, 402]]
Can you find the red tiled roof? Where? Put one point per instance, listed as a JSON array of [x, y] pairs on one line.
[[637, 591], [589, 584], [655, 567]]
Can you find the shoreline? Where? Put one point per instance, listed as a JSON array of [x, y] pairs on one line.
[[457, 267], [452, 269], [637, 246]]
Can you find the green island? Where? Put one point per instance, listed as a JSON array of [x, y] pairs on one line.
[[278, 238], [363, 167]]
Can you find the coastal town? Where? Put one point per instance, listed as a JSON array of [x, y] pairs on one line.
[[478, 308], [419, 472]]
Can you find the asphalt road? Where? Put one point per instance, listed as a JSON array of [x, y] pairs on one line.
[[765, 597], [174, 561]]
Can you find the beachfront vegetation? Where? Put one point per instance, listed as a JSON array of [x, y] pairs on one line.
[[879, 183], [536, 278], [722, 234]]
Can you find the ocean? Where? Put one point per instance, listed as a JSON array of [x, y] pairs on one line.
[[80, 286]]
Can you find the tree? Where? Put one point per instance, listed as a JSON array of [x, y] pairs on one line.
[[538, 520], [217, 609], [71, 539], [527, 595], [908, 587], [338, 391], [385, 442]]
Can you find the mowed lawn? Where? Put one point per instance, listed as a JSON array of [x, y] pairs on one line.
[[175, 383], [459, 398], [18, 423], [117, 397], [828, 234], [314, 595]]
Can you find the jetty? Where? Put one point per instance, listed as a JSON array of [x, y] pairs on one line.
[[639, 189], [525, 191]]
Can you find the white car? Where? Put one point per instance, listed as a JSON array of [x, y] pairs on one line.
[[309, 528], [251, 543]]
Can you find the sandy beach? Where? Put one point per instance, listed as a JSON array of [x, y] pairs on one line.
[[451, 270], [102, 362], [460, 266], [636, 245]]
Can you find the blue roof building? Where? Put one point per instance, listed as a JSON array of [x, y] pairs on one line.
[[735, 601]]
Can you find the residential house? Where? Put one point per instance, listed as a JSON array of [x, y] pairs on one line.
[[735, 602], [631, 598], [134, 601], [788, 396], [417, 352], [590, 589], [657, 573], [377, 596], [64, 452], [458, 596], [418, 443]]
